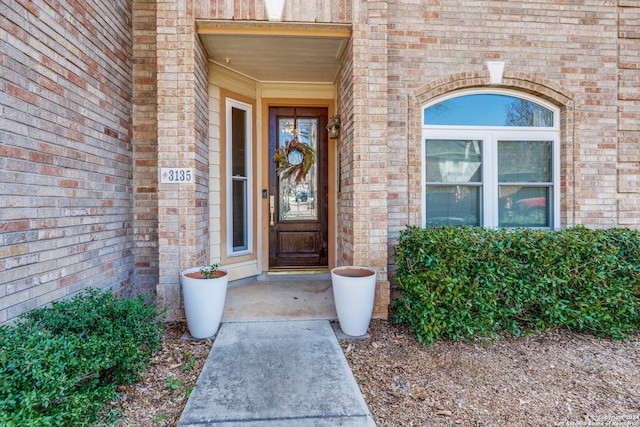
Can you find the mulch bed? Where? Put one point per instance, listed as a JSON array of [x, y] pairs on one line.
[[559, 378], [159, 396]]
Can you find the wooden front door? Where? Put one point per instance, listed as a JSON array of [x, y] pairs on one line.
[[298, 186]]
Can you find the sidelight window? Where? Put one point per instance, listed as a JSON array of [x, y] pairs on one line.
[[239, 178]]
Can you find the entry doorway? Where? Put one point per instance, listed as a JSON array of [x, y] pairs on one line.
[[298, 187]]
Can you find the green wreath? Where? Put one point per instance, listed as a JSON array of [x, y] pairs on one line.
[[294, 160]]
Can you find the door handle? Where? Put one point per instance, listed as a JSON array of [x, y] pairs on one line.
[[272, 209]]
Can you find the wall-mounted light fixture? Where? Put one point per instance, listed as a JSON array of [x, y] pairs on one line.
[[334, 127]]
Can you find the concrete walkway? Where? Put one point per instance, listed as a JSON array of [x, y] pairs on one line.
[[284, 373]]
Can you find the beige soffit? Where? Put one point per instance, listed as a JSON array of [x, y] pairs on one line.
[[276, 51]]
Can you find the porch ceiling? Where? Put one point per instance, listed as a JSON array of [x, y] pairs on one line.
[[276, 52]]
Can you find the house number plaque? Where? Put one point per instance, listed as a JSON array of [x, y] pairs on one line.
[[176, 175]]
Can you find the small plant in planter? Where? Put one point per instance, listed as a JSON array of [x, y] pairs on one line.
[[204, 291], [207, 272]]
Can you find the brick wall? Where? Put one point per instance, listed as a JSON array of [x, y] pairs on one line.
[[362, 203], [145, 147], [570, 48], [345, 212], [65, 150], [183, 210], [334, 11], [629, 114]]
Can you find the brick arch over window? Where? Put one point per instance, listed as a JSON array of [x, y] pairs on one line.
[[520, 82]]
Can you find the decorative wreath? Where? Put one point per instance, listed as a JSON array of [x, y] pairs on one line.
[[295, 159]]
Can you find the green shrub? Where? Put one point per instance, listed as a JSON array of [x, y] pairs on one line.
[[464, 281], [61, 365]]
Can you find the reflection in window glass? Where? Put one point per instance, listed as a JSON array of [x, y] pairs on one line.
[[240, 237], [453, 160], [524, 161], [488, 110], [491, 159], [238, 177], [524, 206], [452, 205], [238, 142], [298, 200]]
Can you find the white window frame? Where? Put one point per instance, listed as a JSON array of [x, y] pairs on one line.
[[490, 135], [231, 103]]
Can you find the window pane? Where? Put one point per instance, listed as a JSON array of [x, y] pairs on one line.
[[453, 160], [238, 179], [488, 110], [524, 206], [453, 205], [239, 215], [238, 142], [524, 161]]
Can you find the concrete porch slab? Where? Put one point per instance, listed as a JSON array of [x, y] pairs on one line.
[[281, 298]]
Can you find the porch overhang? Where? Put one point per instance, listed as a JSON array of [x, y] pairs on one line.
[[276, 51]]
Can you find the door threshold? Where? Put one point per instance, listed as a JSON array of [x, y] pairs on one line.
[[287, 271]]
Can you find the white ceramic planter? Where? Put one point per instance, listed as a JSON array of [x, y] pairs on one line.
[[354, 290], [203, 302]]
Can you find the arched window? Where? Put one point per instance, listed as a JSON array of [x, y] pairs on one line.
[[491, 159]]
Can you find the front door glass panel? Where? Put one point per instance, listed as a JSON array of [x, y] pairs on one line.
[[297, 193]]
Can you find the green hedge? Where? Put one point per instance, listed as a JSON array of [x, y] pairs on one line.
[[460, 282], [61, 365]]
